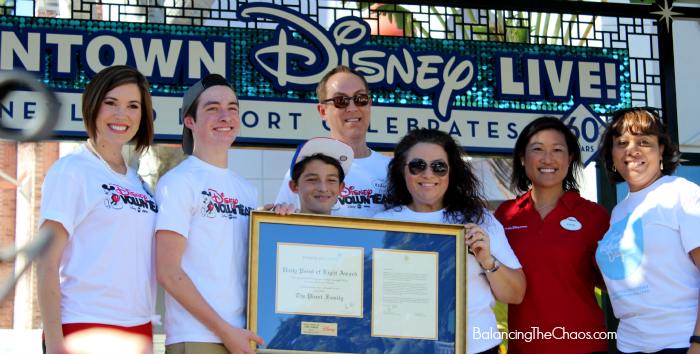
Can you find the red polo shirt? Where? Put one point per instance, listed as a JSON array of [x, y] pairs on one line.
[[559, 266]]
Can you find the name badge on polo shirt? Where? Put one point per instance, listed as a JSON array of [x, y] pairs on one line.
[[571, 224]]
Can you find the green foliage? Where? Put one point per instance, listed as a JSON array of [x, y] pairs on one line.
[[501, 311], [514, 31]]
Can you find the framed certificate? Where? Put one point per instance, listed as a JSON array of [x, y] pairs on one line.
[[327, 284]]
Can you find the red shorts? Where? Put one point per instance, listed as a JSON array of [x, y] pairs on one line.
[[144, 329]]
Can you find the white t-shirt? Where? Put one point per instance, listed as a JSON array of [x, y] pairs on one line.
[[480, 299], [107, 271], [363, 194], [210, 207], [652, 280]]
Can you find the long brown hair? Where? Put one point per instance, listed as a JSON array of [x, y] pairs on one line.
[[107, 80]]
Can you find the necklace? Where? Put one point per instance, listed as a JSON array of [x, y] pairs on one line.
[[120, 176], [550, 203]]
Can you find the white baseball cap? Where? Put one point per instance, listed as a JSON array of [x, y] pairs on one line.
[[325, 146]]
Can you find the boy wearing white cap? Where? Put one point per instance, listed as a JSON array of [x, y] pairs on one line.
[[345, 105], [202, 230], [318, 170]]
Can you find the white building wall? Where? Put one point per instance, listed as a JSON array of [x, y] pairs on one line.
[[263, 168], [686, 48]]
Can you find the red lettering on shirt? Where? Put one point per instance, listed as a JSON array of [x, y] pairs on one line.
[[219, 198], [124, 191], [348, 191]]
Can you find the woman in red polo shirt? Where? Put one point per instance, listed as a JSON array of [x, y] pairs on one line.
[[554, 233]]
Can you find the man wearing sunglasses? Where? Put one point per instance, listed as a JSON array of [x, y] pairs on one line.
[[344, 104]]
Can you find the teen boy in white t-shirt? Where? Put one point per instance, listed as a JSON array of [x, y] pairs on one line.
[[318, 171], [345, 105], [202, 230]]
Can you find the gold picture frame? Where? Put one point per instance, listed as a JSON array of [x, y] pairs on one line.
[[258, 219]]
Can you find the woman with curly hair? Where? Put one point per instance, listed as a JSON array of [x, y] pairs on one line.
[[650, 255], [430, 180]]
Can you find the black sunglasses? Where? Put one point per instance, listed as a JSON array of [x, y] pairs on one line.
[[343, 101], [418, 166]]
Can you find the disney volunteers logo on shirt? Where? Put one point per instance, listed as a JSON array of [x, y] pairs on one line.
[[352, 191], [120, 196], [621, 250], [359, 198], [214, 203]]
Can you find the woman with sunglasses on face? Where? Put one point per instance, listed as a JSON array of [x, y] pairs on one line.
[[429, 180], [554, 232], [98, 272], [650, 257]]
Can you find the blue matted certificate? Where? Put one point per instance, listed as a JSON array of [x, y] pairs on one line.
[[351, 285]]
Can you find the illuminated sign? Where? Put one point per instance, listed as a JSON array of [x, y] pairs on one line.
[[427, 72], [161, 58], [481, 93]]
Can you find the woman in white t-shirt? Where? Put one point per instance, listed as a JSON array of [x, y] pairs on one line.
[[98, 273], [429, 180], [649, 257]]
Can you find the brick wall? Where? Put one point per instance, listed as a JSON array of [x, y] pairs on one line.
[[45, 154], [28, 163], [8, 195]]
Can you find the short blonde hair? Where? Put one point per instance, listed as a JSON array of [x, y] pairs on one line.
[[321, 88]]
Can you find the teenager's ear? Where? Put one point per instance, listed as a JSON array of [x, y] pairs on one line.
[[189, 122], [342, 186], [293, 186]]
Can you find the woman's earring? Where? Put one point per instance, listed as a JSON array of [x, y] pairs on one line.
[[614, 168], [662, 166]]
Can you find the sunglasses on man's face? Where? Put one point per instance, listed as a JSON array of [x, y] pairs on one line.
[[418, 166], [343, 101]]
